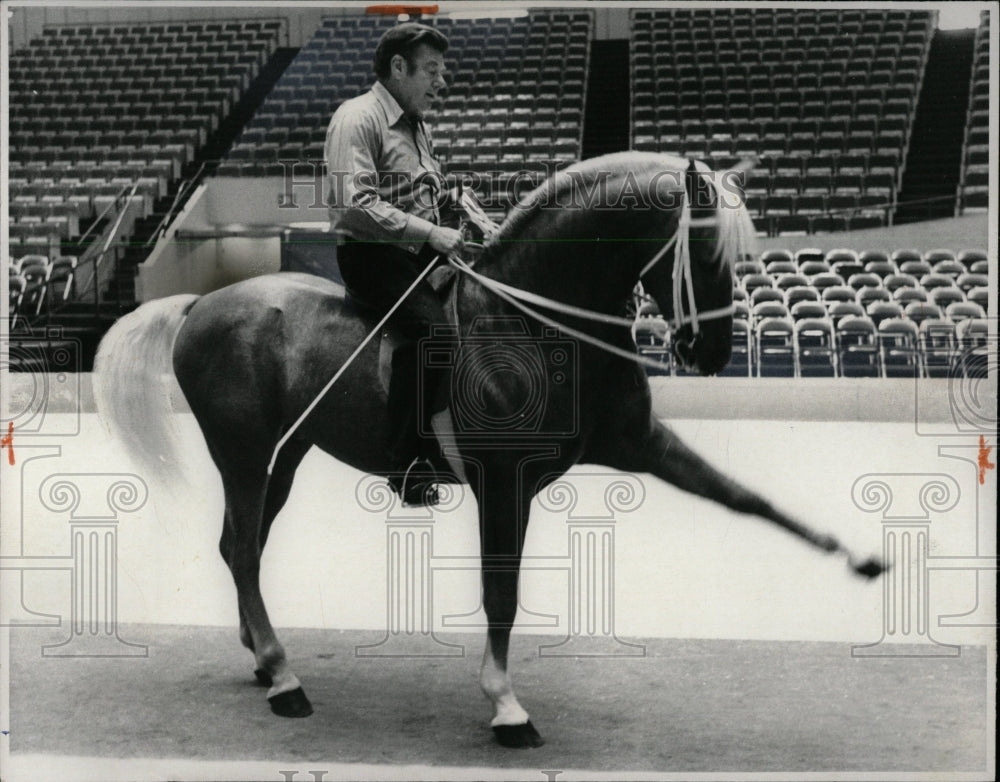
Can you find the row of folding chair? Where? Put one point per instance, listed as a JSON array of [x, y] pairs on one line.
[[738, 34], [853, 346], [194, 51], [846, 180], [766, 60], [851, 20], [812, 275], [826, 260], [709, 16], [37, 284], [779, 205], [835, 309], [847, 262], [857, 347], [802, 225]]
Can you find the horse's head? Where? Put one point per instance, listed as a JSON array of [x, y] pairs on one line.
[[695, 290]]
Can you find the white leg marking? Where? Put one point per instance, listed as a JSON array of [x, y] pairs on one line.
[[496, 684], [283, 683]]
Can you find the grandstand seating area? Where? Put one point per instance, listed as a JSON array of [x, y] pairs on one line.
[[824, 99], [841, 313], [97, 109], [974, 189], [514, 101]]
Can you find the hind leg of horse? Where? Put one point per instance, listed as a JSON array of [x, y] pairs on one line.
[[503, 522], [226, 549], [279, 486], [245, 499]]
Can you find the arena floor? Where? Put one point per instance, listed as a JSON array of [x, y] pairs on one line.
[[748, 634], [687, 706]]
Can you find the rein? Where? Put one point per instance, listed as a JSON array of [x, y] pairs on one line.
[[520, 298], [506, 293], [682, 278]]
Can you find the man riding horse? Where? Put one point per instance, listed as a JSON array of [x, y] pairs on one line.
[[384, 210]]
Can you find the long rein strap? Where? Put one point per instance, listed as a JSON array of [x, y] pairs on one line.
[[378, 327], [501, 291]]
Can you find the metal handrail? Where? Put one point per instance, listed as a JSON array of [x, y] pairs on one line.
[[183, 190], [100, 217]]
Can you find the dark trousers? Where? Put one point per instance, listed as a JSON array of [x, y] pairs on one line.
[[377, 275]]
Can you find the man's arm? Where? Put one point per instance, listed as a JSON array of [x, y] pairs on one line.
[[352, 141]]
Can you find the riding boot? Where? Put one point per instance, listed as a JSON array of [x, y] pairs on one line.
[[412, 476]]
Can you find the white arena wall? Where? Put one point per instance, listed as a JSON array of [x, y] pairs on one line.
[[680, 566]]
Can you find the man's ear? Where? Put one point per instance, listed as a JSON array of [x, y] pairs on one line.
[[398, 65]]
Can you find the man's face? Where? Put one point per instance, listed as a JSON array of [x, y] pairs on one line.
[[417, 87]]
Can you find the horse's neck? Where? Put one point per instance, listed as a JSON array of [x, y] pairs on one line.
[[575, 273]]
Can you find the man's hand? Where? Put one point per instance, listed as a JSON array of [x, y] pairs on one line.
[[446, 240]]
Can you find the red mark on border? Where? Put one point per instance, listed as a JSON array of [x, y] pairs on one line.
[[396, 10], [984, 460], [8, 442]]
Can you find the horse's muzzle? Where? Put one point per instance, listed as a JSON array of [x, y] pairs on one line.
[[685, 348]]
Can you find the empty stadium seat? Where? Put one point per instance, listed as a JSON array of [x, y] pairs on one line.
[[774, 347], [815, 347], [898, 344], [937, 346]]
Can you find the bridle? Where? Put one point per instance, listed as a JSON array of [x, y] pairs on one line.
[[682, 282]]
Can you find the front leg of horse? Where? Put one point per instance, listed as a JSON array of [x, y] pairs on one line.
[[510, 722], [663, 454]]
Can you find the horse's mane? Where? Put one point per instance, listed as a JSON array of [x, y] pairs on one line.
[[548, 193], [735, 232]]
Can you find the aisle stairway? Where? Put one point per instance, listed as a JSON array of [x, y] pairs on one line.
[[606, 117], [933, 163]]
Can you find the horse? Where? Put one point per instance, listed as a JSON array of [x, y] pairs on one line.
[[553, 283]]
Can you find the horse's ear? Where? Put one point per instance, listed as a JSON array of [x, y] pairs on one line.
[[699, 191]]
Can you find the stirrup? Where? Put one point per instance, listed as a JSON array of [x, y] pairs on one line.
[[423, 489]]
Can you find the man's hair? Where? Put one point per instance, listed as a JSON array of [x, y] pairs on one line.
[[404, 39]]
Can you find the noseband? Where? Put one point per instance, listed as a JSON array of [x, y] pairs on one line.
[[682, 278]]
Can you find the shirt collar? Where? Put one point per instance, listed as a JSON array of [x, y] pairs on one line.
[[393, 111]]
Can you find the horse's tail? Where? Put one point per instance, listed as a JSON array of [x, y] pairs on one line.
[[133, 378]]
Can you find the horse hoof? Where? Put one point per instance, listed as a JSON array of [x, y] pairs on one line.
[[263, 677], [518, 736], [870, 568], [292, 703]]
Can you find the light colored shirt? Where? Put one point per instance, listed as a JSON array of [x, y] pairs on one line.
[[384, 180]]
